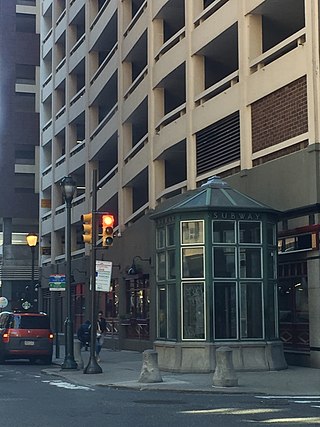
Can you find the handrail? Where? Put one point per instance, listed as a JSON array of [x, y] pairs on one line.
[[98, 15], [49, 33], [169, 117], [78, 200], [47, 81], [137, 147], [77, 96], [46, 216], [61, 64], [136, 82], [104, 121], [47, 170], [77, 148], [62, 15], [77, 44], [180, 186], [135, 18], [61, 112], [208, 11], [104, 63], [217, 88], [270, 55], [47, 125], [179, 35], [60, 160], [137, 213], [108, 176]]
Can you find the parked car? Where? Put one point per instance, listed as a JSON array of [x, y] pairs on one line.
[[25, 335]]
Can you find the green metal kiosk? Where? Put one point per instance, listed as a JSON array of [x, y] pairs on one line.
[[216, 280]]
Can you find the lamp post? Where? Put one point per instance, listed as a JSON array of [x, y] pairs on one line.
[[68, 187], [32, 240]]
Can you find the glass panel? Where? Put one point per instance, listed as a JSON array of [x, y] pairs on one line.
[[192, 232], [170, 235], [172, 312], [161, 266], [224, 262], [30, 322], [193, 311], [223, 232], [270, 304], [162, 313], [225, 310], [271, 234], [272, 260], [250, 231], [161, 236], [251, 310], [302, 306], [171, 264], [250, 262], [286, 292], [192, 262]]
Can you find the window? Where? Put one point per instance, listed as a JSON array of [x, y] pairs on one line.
[[192, 262], [166, 276], [225, 307], [193, 298], [224, 262], [251, 313], [249, 232], [223, 232], [237, 255], [192, 232]]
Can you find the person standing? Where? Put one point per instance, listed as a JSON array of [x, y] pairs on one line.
[[101, 329]]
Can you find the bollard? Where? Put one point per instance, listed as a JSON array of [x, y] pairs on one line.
[[77, 353], [224, 375], [150, 372]]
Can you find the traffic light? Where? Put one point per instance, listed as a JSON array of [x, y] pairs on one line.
[[86, 228], [107, 230]]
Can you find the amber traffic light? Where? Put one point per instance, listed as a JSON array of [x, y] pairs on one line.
[[87, 228]]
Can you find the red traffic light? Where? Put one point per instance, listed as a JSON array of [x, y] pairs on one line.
[[107, 220]]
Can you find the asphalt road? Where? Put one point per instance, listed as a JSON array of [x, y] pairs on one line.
[[29, 398]]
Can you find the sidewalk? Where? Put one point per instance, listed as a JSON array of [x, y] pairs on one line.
[[121, 369]]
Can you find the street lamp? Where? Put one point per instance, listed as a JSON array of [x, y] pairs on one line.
[[68, 188], [32, 240]]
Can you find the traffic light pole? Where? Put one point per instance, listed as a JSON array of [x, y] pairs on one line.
[[93, 367]]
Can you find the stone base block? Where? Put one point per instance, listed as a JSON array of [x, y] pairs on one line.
[[201, 357]]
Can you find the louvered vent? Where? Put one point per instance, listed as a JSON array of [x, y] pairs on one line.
[[17, 272], [218, 144]]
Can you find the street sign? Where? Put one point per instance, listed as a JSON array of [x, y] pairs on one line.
[[103, 275], [57, 282]]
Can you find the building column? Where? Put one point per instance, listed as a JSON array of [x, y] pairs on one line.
[[314, 313]]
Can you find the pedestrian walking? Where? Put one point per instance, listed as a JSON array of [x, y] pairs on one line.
[[101, 330]]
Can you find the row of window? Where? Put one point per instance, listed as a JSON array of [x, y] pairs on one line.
[[223, 231], [227, 261], [232, 320]]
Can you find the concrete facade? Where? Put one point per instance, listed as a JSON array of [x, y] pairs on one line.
[[160, 95]]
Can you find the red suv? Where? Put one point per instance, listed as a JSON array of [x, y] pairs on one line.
[[25, 336]]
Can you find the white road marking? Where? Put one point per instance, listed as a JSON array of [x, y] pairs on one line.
[[69, 386]]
